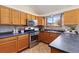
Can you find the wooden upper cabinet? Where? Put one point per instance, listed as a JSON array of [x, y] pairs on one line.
[[23, 18], [5, 15], [37, 18], [71, 17], [41, 20], [15, 15], [77, 14], [29, 17], [33, 17]]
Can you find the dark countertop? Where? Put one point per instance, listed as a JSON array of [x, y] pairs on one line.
[[3, 35], [54, 31], [11, 35], [66, 42]]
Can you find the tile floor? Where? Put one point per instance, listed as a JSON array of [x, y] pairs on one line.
[[40, 48]]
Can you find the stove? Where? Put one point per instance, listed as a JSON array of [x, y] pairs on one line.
[[33, 37]]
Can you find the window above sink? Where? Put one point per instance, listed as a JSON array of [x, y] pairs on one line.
[[55, 20]]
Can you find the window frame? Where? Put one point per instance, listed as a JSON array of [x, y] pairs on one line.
[[47, 24]]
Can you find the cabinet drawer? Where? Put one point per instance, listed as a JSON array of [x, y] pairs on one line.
[[23, 36], [7, 39], [8, 47]]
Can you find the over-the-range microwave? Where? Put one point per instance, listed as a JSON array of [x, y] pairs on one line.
[[32, 23]]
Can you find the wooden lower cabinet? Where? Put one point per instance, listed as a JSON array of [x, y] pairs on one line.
[[23, 42], [43, 37], [8, 45], [53, 36], [47, 37], [54, 50], [14, 44]]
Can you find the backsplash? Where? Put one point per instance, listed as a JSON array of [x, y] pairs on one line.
[[8, 28], [76, 28]]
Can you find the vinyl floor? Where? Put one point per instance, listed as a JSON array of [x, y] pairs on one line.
[[39, 48]]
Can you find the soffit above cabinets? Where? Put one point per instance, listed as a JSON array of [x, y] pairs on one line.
[[43, 10]]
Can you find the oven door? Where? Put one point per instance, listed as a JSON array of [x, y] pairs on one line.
[[34, 37], [33, 40]]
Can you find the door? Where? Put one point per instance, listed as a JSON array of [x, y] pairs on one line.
[[70, 17], [29, 16], [15, 17], [23, 42], [41, 21], [53, 36], [44, 37], [5, 15], [23, 18], [33, 17], [8, 45], [47, 37]]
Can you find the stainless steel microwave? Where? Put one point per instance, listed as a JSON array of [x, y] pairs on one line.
[[32, 23]]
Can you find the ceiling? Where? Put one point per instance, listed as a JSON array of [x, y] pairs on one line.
[[43, 10]]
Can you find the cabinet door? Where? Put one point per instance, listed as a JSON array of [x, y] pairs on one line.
[[23, 42], [33, 17], [53, 36], [8, 45], [77, 13], [15, 17], [41, 21], [5, 15], [70, 17], [37, 18], [47, 37], [23, 18], [44, 37], [29, 17]]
